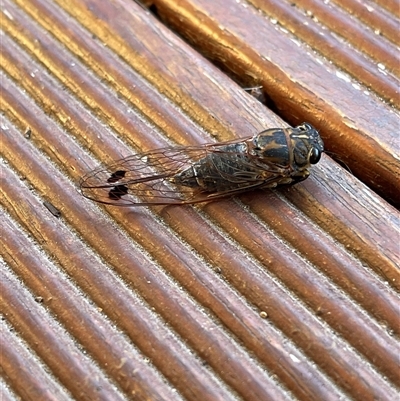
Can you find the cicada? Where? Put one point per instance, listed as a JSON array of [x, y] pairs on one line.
[[191, 174]]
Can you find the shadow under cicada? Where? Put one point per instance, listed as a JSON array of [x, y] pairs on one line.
[[191, 174]]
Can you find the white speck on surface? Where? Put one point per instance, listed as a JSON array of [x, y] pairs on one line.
[[297, 42], [8, 15], [294, 358], [343, 76]]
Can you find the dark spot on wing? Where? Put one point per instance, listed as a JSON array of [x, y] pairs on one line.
[[118, 192], [116, 176]]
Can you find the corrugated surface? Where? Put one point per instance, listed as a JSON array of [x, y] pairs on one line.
[[291, 294]]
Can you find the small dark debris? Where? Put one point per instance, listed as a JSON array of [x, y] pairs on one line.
[[52, 209]]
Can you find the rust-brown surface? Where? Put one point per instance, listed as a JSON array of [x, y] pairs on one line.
[[288, 294]]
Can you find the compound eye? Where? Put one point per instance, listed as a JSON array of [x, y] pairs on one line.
[[305, 127], [315, 155]]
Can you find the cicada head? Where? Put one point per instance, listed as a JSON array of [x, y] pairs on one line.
[[306, 145]]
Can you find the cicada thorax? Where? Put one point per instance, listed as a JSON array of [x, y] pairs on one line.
[[293, 150]]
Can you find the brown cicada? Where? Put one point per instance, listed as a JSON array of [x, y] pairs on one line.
[[190, 174]]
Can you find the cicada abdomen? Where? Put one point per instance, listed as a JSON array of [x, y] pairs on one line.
[[181, 175]]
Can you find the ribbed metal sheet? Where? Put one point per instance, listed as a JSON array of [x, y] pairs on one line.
[[289, 294]]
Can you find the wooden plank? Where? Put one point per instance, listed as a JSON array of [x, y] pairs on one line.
[[375, 16], [299, 83], [272, 295]]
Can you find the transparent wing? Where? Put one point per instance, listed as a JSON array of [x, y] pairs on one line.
[[148, 178]]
